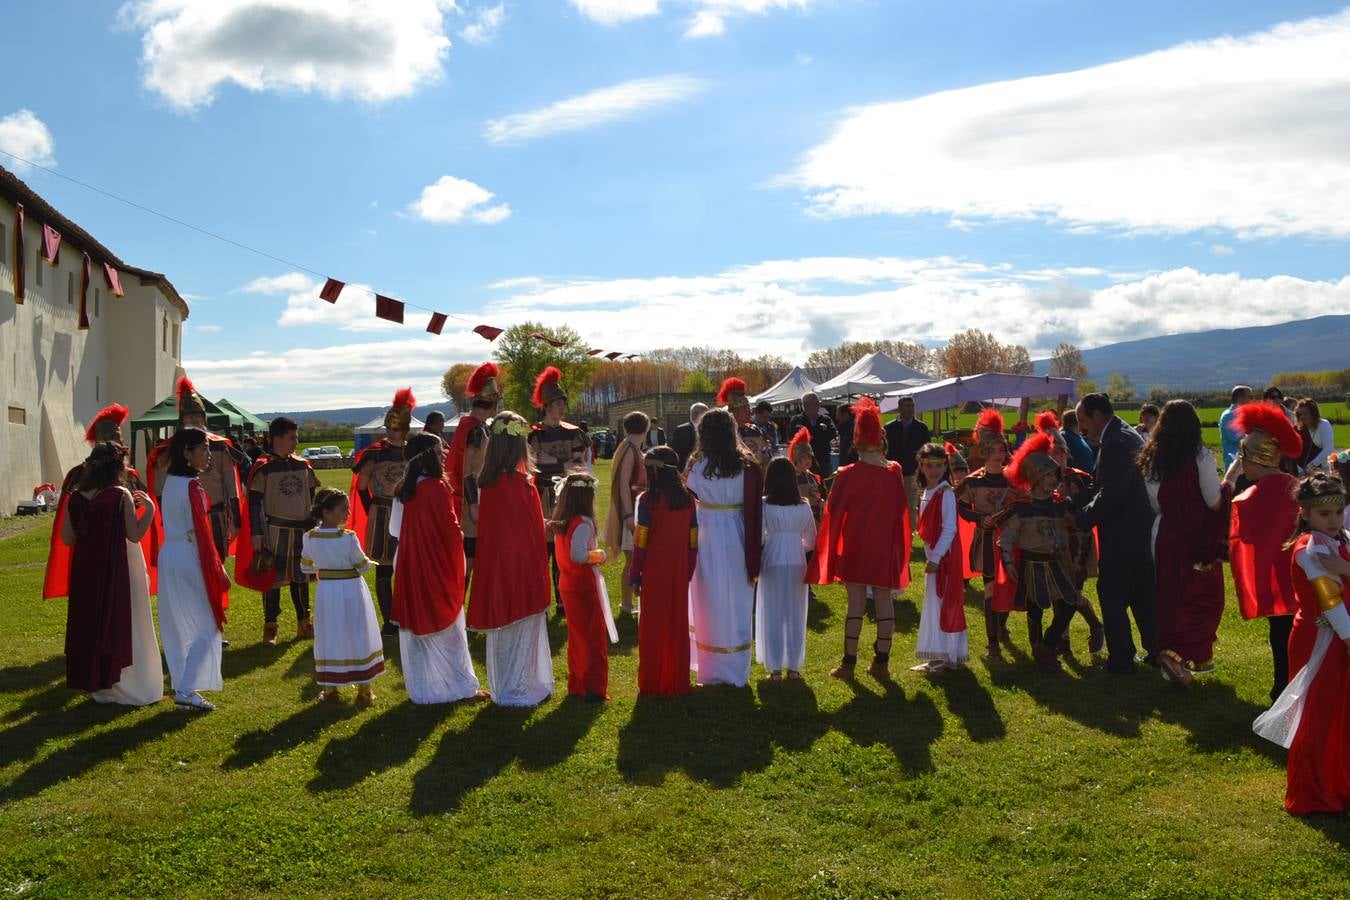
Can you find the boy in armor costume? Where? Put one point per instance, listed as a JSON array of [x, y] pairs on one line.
[[558, 447], [464, 461], [984, 499], [732, 395], [376, 473]]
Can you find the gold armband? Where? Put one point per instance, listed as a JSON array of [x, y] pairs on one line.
[[595, 557], [1328, 591]]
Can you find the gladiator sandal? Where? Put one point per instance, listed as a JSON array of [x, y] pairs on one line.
[[364, 695], [1174, 669], [846, 667], [270, 634], [852, 629], [881, 661], [304, 629], [330, 695], [1046, 658], [991, 630]]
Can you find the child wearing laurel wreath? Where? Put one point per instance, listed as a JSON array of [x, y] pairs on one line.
[[942, 641], [510, 593], [590, 624]]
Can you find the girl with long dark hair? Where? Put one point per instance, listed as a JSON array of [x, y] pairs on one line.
[[781, 595]]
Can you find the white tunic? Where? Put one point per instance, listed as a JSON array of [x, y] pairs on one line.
[[721, 596], [934, 643], [781, 598], [186, 624], [142, 682], [347, 644]]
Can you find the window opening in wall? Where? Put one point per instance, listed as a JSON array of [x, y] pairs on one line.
[[95, 303], [18, 415], [70, 288], [164, 335], [4, 245], [37, 266], [98, 388], [177, 340]]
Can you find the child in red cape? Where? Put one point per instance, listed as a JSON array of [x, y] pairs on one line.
[[942, 641], [590, 624]]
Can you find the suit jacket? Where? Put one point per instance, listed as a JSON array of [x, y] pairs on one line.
[[683, 440], [903, 444], [1118, 504]]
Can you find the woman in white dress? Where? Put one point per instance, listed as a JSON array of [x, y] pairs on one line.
[[110, 633], [429, 581], [943, 640], [726, 478], [781, 599], [193, 586], [347, 645]]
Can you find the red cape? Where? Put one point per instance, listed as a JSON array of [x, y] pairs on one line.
[[213, 571], [865, 534], [950, 587], [510, 573], [243, 557], [454, 457], [1262, 518], [429, 567], [56, 580], [359, 517], [98, 617]]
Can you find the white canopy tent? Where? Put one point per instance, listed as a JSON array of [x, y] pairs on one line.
[[373, 430], [875, 373], [789, 390], [995, 387]]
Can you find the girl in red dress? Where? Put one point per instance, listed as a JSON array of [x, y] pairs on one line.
[[589, 624], [510, 593], [864, 540], [665, 549], [1312, 716]]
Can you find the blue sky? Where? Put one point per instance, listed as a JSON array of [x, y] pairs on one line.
[[764, 175]]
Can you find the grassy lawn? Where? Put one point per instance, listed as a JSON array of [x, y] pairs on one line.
[[997, 781]]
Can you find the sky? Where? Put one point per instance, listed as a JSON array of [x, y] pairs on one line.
[[767, 176]]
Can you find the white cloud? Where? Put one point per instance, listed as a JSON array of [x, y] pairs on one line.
[[613, 12], [707, 19], [369, 49], [1246, 134], [26, 136], [1221, 250], [706, 23], [280, 284], [595, 108], [486, 23], [450, 200]]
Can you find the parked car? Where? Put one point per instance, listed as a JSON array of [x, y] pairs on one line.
[[323, 453]]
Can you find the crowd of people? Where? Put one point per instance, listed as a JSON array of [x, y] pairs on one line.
[[722, 535]]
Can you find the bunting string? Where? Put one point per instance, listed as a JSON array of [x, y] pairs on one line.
[[387, 308]]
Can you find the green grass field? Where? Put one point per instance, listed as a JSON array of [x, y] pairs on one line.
[[1000, 781]]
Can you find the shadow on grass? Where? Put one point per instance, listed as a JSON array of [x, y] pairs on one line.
[[905, 727], [1335, 828], [236, 662], [21, 679], [819, 614], [971, 703], [381, 743], [468, 759], [299, 728], [714, 735], [79, 758], [48, 716]]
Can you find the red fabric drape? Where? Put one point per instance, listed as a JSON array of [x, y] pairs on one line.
[[663, 627], [429, 568], [84, 292], [56, 579], [487, 331], [1261, 519], [753, 511], [437, 323], [388, 308], [243, 555], [113, 280], [587, 638], [331, 288], [1189, 600], [864, 535], [18, 253], [98, 619], [510, 576], [950, 588], [213, 571], [51, 244]]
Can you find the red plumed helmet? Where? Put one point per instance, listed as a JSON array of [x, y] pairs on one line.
[[480, 378], [731, 389], [990, 420], [404, 399], [547, 387], [399, 417], [1047, 421], [184, 387], [109, 418], [800, 440], [866, 424], [949, 448], [1268, 418], [1031, 461]]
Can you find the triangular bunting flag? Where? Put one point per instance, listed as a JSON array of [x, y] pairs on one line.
[[488, 332], [389, 308], [632, 356], [437, 323], [51, 244], [113, 280], [612, 356], [594, 352], [540, 336], [331, 288]]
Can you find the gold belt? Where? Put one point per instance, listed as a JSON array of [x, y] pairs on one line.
[[721, 507], [338, 574]]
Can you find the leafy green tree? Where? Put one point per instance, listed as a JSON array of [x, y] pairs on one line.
[[524, 357], [697, 382], [1119, 388]]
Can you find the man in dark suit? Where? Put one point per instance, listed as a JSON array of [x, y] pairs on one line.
[[1118, 506], [822, 430], [684, 438], [905, 436]]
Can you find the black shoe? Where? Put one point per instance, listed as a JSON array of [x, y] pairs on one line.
[[389, 630], [224, 643]]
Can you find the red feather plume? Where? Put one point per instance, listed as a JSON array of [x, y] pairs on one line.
[[990, 420], [866, 424], [729, 387], [183, 388], [480, 377], [1272, 420], [1037, 443], [1047, 421], [551, 374], [801, 439], [405, 398], [116, 413]]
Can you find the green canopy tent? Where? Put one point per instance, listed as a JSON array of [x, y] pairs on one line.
[[251, 423], [164, 415]]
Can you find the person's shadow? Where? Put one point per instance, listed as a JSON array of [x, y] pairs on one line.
[[971, 703], [302, 727], [714, 735], [381, 743], [906, 727], [22, 679]]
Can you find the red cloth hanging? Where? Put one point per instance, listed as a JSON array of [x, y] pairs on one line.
[[84, 293], [510, 577], [540, 336], [112, 280], [18, 254], [331, 288], [389, 308], [594, 352], [429, 567], [51, 244], [213, 570], [437, 323], [488, 332], [612, 356]]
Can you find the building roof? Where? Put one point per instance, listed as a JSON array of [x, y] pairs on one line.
[[15, 191]]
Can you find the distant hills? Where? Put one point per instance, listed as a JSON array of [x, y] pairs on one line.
[[1222, 358], [359, 415]]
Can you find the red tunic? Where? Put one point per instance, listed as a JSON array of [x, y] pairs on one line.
[[429, 566], [587, 637], [865, 532], [1190, 599], [56, 579], [965, 533], [510, 574], [665, 564], [243, 558], [950, 588], [1319, 757], [98, 620], [1262, 518]]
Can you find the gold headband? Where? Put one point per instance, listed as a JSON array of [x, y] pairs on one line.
[[1333, 501]]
